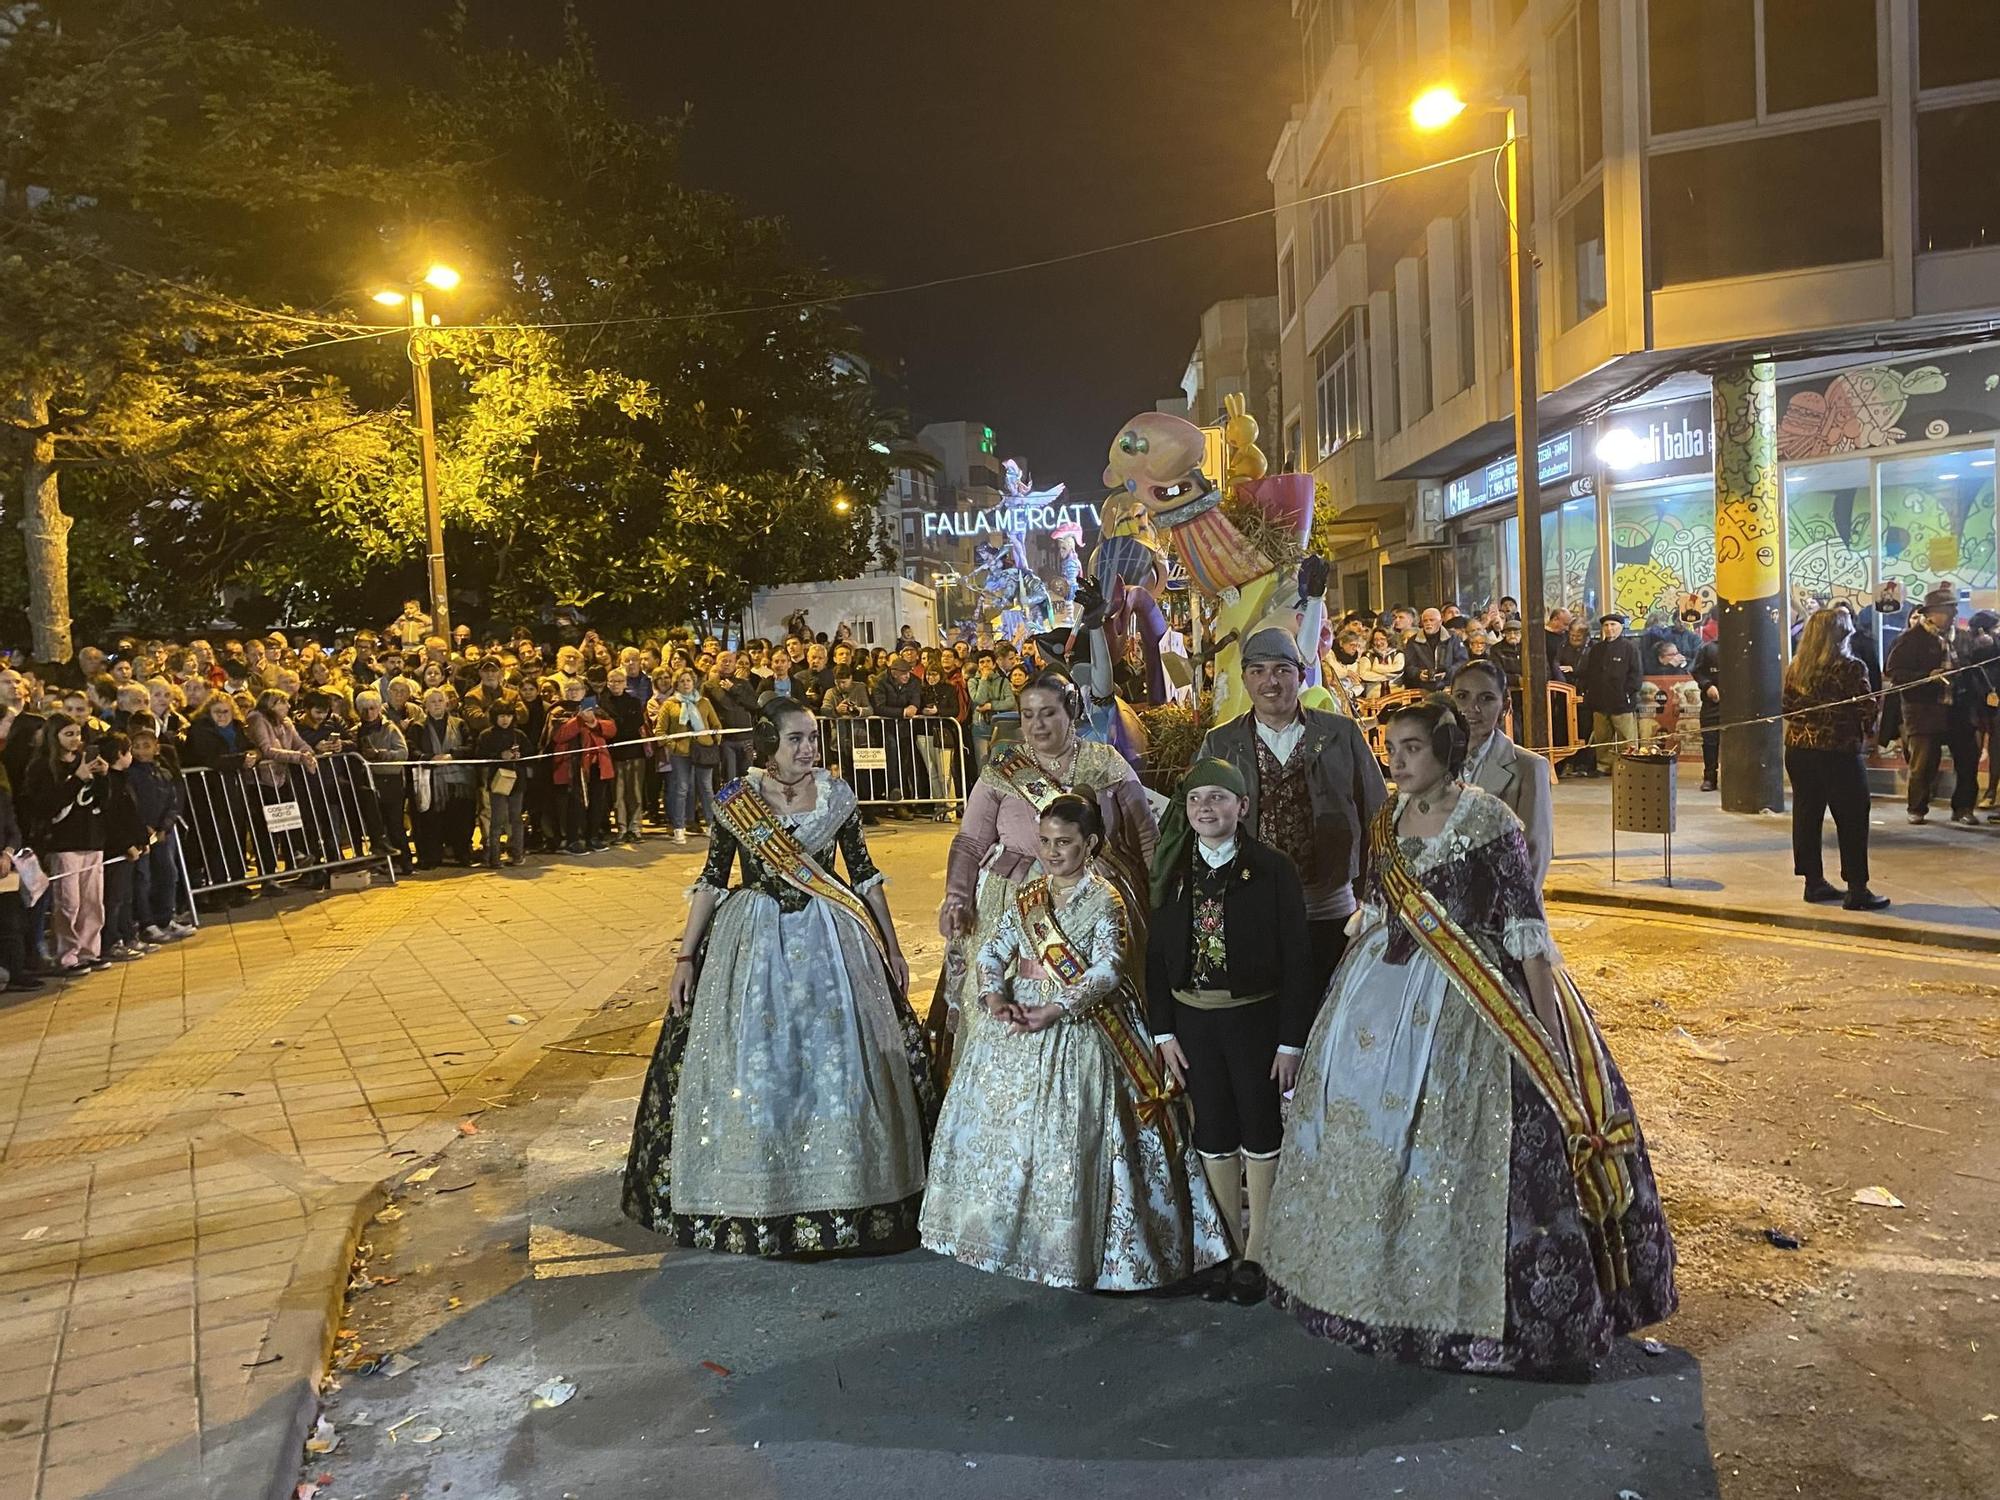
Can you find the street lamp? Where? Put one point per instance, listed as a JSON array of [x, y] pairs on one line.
[[440, 278], [1434, 109]]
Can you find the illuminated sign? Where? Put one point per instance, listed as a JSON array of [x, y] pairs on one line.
[[1554, 459], [1008, 518]]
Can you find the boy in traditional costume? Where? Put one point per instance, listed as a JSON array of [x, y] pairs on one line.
[[1231, 991]]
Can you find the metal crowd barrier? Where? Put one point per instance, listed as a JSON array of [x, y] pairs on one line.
[[243, 830], [898, 762]]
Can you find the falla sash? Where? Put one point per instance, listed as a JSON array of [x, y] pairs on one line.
[[1598, 1135], [1016, 770], [755, 825], [1035, 906]]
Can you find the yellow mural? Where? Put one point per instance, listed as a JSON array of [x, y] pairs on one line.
[[1746, 484]]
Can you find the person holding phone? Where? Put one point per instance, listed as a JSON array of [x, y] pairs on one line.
[[66, 824]]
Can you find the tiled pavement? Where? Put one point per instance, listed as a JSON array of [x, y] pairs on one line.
[[188, 1143]]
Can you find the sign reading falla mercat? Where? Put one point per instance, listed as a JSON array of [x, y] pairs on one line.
[[1009, 519]]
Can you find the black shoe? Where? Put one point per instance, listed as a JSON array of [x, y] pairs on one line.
[[1965, 820], [1215, 1283], [577, 846], [1860, 898], [1822, 890], [1708, 786], [1246, 1283], [1922, 817], [22, 984]]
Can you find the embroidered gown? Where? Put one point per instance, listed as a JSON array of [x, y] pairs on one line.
[[1042, 1168], [994, 854], [1425, 1207], [789, 1108]]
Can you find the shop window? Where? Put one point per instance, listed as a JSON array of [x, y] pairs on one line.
[[1662, 546], [1958, 177], [1767, 203], [1339, 387], [1937, 523], [1579, 86], [1702, 56], [1830, 533], [1958, 41], [1476, 560], [1582, 236], [1818, 52], [1570, 572], [1288, 289]]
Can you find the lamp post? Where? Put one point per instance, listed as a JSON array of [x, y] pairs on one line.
[[443, 278], [1431, 110]]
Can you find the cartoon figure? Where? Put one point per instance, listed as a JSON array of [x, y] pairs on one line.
[[1859, 409], [1242, 559], [1007, 586], [1240, 431]]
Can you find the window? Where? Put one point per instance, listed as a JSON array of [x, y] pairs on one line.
[[1288, 288], [1294, 447], [1579, 84], [1392, 399], [1345, 156], [1339, 384], [1461, 270], [1958, 41], [1958, 179], [1582, 237], [1324, 247], [1325, 26], [1768, 203], [1425, 394], [1818, 52], [1703, 63], [1335, 217]]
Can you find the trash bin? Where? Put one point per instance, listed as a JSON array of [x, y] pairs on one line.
[[1643, 783]]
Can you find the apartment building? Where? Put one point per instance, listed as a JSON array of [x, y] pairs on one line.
[[1712, 185]]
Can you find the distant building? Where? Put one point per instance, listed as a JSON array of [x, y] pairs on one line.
[[1237, 355]]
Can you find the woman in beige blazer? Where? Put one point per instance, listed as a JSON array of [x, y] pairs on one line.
[[1494, 763]]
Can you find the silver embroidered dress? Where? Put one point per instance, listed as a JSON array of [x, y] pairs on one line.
[[1042, 1168], [788, 1109]]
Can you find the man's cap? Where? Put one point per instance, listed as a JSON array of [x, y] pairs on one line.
[[1942, 599], [1272, 644], [1606, 619]]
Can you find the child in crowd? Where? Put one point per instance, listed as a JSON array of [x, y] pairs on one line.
[[161, 800], [506, 790]]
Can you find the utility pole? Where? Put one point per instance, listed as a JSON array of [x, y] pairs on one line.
[[420, 378], [1534, 728]]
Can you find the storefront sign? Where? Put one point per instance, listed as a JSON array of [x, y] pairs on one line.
[[1555, 458], [1666, 441]]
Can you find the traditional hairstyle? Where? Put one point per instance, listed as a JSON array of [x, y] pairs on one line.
[[1081, 813], [1446, 727], [1055, 680], [765, 732]]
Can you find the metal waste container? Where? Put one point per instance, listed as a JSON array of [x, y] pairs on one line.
[[1643, 784]]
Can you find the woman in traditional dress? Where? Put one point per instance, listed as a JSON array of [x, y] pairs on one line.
[[791, 1063], [1463, 1183], [996, 848], [1061, 1156]]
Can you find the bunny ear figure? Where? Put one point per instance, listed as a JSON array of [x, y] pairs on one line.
[[1247, 463]]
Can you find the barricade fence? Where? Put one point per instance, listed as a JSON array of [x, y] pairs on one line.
[[256, 824], [917, 761]]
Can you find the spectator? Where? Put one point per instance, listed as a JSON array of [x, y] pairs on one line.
[[625, 722], [19, 976], [378, 739], [1920, 664], [161, 799], [1556, 637], [280, 748], [937, 745], [66, 827], [443, 791], [732, 693], [692, 762], [900, 696], [1981, 649], [1879, 626], [503, 742], [1432, 654], [1382, 666], [125, 842], [1341, 664], [1610, 678], [583, 771], [1829, 721], [1707, 672]]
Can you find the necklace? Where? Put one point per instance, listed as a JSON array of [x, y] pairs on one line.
[[789, 786], [1053, 770]]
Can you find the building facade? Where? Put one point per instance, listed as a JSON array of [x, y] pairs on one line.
[[1716, 190], [1237, 355]]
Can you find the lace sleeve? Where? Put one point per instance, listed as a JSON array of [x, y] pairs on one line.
[[721, 854], [1524, 929], [1108, 937], [861, 871], [998, 953]]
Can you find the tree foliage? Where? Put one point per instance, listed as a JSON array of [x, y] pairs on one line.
[[644, 400]]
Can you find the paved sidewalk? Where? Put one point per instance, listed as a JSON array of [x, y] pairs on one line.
[[1944, 881], [189, 1143]]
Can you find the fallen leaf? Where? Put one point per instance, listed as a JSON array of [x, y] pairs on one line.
[[453, 1304], [473, 1363], [324, 1439], [466, 1127], [711, 1365], [1876, 1197], [422, 1174], [552, 1393]]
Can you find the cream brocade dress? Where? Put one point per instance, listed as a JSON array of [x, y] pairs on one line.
[[1041, 1168]]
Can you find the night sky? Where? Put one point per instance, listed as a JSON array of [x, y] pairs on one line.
[[930, 137]]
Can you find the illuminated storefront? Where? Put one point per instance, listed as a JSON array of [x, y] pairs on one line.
[[1479, 507]]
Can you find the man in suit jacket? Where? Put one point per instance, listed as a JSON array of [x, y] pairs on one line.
[[1494, 763], [1313, 785], [1230, 996]]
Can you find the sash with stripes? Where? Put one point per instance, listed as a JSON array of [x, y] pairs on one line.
[[1134, 1051], [750, 818], [1598, 1135], [1016, 770]]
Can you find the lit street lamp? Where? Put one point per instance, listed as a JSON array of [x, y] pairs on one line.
[[1434, 109], [443, 279]]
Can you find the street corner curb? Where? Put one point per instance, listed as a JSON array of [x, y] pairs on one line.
[[264, 1461], [1878, 930]]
